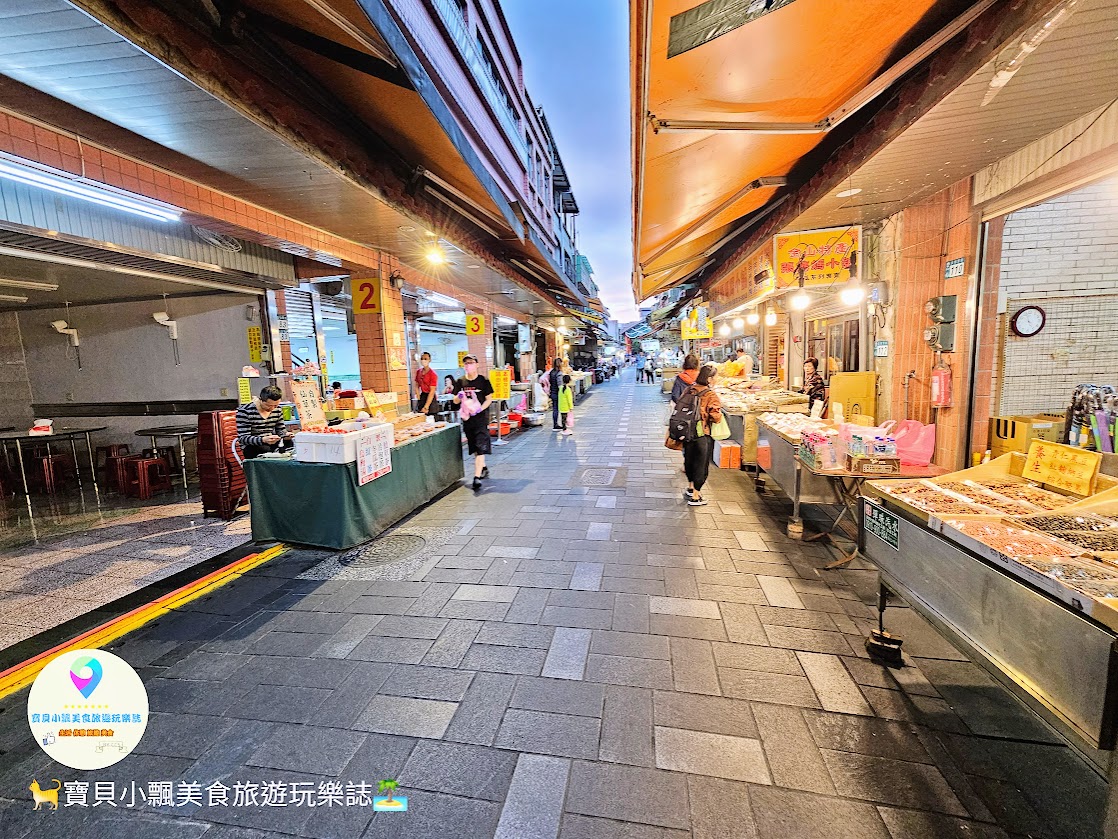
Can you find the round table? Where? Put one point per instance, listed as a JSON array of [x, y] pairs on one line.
[[59, 433], [180, 433]]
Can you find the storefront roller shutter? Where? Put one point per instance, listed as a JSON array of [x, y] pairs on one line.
[[300, 315], [831, 308]]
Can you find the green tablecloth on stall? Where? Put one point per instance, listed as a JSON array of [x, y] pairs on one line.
[[321, 504]]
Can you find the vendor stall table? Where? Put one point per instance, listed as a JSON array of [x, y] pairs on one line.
[[1052, 647], [805, 484], [322, 504], [847, 489]]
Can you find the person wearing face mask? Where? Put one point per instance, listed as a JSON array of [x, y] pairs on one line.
[[426, 387], [475, 389]]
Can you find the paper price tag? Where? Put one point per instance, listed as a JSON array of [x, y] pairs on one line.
[[1065, 467], [308, 404]]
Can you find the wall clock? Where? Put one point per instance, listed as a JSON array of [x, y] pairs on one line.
[[1027, 321]]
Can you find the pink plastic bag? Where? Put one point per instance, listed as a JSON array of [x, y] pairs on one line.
[[916, 443]]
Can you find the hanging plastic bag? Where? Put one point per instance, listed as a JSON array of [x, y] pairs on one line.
[[916, 443]]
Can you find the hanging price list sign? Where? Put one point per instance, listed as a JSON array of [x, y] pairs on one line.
[[1064, 467], [308, 404], [374, 454]]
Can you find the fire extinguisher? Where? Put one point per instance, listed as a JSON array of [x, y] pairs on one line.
[[941, 386]]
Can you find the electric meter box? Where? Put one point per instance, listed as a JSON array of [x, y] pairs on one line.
[[941, 309]]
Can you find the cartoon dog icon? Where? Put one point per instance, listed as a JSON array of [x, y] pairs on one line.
[[45, 796]]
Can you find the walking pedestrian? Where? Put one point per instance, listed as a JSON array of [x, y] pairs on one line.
[[697, 451], [474, 393], [554, 383], [566, 405], [686, 377], [650, 369]]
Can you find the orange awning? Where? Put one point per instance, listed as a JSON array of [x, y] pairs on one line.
[[720, 126]]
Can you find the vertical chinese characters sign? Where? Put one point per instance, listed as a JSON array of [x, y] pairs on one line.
[[822, 257], [1064, 467], [255, 344], [308, 404], [502, 383], [374, 454]]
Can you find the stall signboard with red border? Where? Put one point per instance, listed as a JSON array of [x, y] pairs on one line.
[[308, 404], [374, 454]]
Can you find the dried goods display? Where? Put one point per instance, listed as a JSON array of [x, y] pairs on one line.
[[1013, 541], [734, 399], [1068, 571], [1092, 540], [1022, 491], [1053, 524], [792, 425], [1103, 589], [930, 499]]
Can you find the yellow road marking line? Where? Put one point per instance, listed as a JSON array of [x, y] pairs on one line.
[[19, 675]]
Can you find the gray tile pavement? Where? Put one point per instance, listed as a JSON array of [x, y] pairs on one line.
[[578, 662]]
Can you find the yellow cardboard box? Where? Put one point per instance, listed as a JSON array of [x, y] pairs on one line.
[[1015, 433]]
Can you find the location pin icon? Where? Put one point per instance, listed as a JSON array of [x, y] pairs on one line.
[[86, 684]]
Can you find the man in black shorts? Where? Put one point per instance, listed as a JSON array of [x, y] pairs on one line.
[[473, 389]]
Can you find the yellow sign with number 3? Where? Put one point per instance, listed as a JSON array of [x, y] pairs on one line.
[[475, 324]]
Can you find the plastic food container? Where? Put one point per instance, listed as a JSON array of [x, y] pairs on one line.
[[316, 447]]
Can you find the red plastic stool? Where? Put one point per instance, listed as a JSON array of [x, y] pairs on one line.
[[55, 468], [145, 476]]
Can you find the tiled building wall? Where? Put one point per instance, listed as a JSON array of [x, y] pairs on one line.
[[1061, 255], [935, 231], [15, 387]]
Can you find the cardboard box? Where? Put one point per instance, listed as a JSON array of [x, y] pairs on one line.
[[727, 454], [764, 455], [1016, 433], [873, 465]]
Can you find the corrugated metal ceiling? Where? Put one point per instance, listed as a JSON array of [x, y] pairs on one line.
[[1071, 73]]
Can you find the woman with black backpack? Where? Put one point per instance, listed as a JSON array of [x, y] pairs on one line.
[[699, 448]]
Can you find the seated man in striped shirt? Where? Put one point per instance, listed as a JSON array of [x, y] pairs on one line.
[[260, 425]]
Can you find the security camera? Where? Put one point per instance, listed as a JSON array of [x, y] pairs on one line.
[[164, 319], [61, 327]]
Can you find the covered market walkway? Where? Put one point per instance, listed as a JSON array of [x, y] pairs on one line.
[[570, 652]]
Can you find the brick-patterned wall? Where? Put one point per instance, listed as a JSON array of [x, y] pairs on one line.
[[382, 343], [936, 230], [482, 345], [1061, 255]]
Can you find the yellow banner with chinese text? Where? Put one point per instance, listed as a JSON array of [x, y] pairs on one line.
[[1064, 467], [822, 257]]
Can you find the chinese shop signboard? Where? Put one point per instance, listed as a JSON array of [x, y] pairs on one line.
[[1064, 467], [823, 257]]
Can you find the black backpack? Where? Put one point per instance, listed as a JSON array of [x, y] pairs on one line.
[[685, 418]]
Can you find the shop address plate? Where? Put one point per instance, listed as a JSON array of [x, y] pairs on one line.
[[882, 524]]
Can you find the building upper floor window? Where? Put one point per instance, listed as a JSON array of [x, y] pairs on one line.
[[494, 74], [461, 4]]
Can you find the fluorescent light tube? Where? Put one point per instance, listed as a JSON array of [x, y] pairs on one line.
[[13, 298], [29, 284], [443, 300], [125, 202]]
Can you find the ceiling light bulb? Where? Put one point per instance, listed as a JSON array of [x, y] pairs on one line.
[[753, 318], [738, 323], [435, 255], [770, 318], [852, 295], [800, 300], [724, 330]]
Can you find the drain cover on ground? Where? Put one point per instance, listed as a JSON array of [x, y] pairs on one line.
[[386, 549], [393, 556], [600, 477]]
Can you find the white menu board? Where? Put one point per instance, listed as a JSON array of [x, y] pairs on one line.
[[374, 454]]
